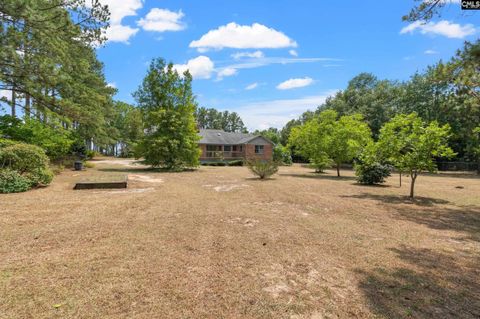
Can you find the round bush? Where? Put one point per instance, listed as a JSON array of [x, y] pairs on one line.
[[12, 182], [24, 158], [374, 173], [28, 161]]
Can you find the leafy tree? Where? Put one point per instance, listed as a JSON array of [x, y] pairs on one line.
[[375, 100], [168, 107], [129, 127], [54, 139], [412, 145], [281, 154], [48, 62], [326, 137], [213, 119]]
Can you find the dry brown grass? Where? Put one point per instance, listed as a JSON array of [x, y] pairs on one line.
[[216, 243]]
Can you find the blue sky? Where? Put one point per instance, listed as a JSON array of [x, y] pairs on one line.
[[272, 60]]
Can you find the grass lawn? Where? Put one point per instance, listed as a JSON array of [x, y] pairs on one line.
[[216, 243]]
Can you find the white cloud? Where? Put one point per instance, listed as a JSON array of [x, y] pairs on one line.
[[200, 67], [251, 86], [161, 20], [226, 72], [117, 32], [237, 36], [275, 113], [120, 33], [256, 54], [6, 94], [430, 52], [295, 83], [112, 85], [444, 27], [293, 52], [121, 9]]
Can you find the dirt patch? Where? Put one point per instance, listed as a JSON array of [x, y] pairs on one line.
[[145, 178], [226, 187]]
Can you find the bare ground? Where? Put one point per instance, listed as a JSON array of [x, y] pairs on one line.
[[216, 243]]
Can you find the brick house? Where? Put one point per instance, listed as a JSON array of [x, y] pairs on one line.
[[218, 145]]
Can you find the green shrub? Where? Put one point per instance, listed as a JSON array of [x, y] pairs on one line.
[[235, 163], [23, 158], [12, 182], [372, 173], [28, 161], [6, 142], [262, 168], [40, 177], [282, 154]]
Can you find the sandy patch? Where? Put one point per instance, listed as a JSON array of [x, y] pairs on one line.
[[226, 187], [122, 162], [145, 178]]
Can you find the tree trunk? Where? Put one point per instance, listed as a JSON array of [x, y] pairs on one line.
[[338, 169], [27, 106], [400, 174], [14, 101], [412, 185]]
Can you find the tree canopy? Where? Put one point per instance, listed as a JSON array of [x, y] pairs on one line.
[[168, 107], [412, 145]]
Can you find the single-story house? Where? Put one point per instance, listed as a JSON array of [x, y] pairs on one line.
[[218, 145]]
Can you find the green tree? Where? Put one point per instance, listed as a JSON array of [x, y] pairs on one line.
[[412, 145], [327, 138], [129, 126], [213, 119], [168, 107], [375, 100]]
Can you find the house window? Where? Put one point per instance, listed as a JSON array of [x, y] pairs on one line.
[[259, 149], [227, 148], [214, 148]]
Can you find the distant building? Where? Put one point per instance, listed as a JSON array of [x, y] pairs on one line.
[[218, 145]]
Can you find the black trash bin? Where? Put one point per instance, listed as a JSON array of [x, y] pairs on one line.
[[78, 165]]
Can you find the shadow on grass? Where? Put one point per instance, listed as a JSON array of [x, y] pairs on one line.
[[399, 199], [320, 176], [431, 213], [464, 219], [432, 284]]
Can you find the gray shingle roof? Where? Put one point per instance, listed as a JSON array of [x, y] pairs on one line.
[[222, 137]]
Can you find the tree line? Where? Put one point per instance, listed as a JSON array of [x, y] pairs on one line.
[[447, 92]]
